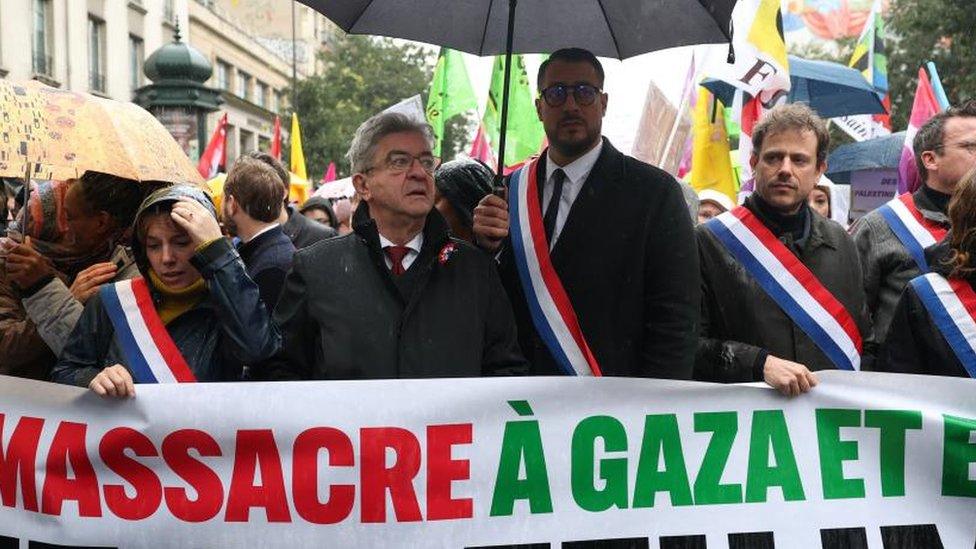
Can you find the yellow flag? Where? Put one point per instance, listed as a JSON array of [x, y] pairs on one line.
[[766, 33], [761, 64], [711, 166], [297, 156]]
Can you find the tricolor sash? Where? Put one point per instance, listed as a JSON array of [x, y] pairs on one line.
[[952, 305], [791, 285], [151, 354], [914, 231], [550, 308]]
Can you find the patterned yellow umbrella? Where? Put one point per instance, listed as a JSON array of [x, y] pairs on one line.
[[59, 134]]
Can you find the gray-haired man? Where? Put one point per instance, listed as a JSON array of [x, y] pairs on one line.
[[397, 297]]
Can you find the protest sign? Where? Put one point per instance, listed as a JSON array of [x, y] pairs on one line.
[[871, 189], [864, 460]]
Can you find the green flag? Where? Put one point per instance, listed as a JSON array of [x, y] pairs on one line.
[[869, 55], [524, 134], [450, 93]]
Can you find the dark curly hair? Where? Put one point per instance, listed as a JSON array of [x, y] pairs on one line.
[[117, 196]]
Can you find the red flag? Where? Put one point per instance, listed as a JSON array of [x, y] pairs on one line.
[[214, 157], [884, 119], [276, 140], [481, 149], [330, 173], [751, 113]]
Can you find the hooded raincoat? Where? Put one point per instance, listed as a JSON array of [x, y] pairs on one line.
[[227, 329]]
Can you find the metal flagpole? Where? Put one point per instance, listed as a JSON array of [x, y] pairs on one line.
[[294, 59]]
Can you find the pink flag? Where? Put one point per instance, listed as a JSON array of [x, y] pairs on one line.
[[924, 107], [215, 155], [691, 97], [330, 173], [481, 149]]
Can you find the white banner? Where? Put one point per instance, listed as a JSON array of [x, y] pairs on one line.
[[412, 107], [864, 460], [861, 127]]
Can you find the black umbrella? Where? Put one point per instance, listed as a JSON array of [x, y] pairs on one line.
[[608, 28]]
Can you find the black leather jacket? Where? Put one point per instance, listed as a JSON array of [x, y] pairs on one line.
[[914, 344]]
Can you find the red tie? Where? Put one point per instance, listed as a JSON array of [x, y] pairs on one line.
[[396, 255]]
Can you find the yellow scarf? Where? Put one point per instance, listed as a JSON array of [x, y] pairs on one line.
[[176, 302]]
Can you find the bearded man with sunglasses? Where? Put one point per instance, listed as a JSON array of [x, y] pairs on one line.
[[597, 253], [398, 297]]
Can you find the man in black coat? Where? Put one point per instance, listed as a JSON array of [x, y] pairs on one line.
[[252, 201], [301, 230], [746, 334], [915, 344], [398, 297], [619, 235]]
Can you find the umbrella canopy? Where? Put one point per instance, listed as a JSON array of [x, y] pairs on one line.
[[340, 188], [60, 134], [873, 154], [620, 29], [831, 89]]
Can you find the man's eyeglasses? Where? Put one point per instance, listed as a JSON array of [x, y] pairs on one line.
[[968, 146], [398, 163], [583, 94]]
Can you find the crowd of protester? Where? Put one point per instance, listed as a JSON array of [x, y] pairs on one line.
[[429, 271]]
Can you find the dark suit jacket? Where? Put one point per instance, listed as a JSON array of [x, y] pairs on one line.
[[303, 231], [343, 315], [267, 259], [628, 260], [742, 325]]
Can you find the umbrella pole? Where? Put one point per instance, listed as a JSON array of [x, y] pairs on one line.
[[25, 228], [508, 79]]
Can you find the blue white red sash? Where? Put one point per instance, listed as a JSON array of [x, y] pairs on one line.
[[151, 354], [952, 305], [791, 285], [552, 313], [914, 231]]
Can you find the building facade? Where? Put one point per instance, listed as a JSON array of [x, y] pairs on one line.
[[251, 77], [93, 46], [272, 21], [100, 47]]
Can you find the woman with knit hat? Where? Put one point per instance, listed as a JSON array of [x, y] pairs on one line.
[[712, 203]]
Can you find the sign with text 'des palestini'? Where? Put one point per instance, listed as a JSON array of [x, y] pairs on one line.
[[864, 460]]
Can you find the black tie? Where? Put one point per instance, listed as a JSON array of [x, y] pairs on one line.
[[549, 220]]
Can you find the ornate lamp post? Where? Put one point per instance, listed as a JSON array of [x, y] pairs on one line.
[[177, 95]]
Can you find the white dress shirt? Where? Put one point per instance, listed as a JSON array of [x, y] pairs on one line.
[[414, 245], [261, 232], [576, 173]]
